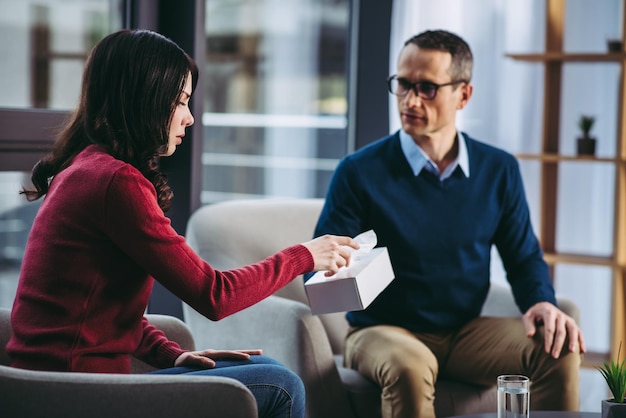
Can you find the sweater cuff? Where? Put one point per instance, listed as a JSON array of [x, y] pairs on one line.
[[168, 353], [301, 259]]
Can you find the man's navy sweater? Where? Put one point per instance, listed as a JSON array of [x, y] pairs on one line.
[[439, 233]]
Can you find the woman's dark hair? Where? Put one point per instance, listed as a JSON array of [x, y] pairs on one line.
[[442, 40], [132, 81]]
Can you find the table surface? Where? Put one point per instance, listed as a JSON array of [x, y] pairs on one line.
[[540, 414]]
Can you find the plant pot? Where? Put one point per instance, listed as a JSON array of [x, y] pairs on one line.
[[612, 409], [614, 45], [586, 145]]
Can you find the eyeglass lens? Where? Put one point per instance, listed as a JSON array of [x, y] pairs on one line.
[[423, 89]]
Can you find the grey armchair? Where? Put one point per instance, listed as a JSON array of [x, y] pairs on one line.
[[25, 393], [235, 233]]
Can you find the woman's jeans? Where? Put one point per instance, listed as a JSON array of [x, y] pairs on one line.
[[278, 391]]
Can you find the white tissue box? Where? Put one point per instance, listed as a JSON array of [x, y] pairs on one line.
[[352, 288]]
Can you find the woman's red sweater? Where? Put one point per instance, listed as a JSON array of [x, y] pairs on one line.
[[96, 244]]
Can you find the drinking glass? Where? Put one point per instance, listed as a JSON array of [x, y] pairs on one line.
[[513, 396]]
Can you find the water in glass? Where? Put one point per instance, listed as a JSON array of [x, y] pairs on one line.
[[513, 402]]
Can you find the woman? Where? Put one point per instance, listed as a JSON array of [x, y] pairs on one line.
[[101, 236]]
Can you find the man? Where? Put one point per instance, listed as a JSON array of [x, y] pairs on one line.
[[439, 199]]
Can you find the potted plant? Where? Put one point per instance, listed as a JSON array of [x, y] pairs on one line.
[[586, 144], [614, 373]]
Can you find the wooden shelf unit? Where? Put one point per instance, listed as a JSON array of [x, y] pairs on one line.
[[554, 158], [549, 158], [558, 56]]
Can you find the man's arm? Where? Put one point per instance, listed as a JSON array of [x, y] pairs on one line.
[[528, 273], [519, 248]]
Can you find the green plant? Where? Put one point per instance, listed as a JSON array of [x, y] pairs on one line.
[[585, 123], [614, 374]]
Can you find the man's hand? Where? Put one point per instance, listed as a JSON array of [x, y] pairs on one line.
[[557, 326], [206, 358]]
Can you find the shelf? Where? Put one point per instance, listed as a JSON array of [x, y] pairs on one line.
[[552, 58], [569, 258], [616, 57], [575, 158]]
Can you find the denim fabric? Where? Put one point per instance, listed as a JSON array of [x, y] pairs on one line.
[[279, 393]]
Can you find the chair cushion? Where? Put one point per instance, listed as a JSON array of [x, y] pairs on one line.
[[364, 395]]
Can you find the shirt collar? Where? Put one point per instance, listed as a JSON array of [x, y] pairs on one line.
[[418, 159]]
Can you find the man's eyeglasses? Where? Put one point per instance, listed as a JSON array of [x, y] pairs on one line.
[[423, 89]]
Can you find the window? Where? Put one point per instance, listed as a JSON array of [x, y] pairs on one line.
[[275, 99], [47, 42]]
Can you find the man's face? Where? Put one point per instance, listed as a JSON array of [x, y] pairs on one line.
[[420, 116]]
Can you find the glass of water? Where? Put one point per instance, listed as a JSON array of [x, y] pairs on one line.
[[513, 396]]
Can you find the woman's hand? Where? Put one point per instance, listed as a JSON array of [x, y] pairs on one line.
[[206, 358], [331, 252]]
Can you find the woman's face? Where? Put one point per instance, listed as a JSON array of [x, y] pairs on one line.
[[181, 119]]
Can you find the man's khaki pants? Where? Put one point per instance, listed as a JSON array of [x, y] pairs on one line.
[[406, 365]]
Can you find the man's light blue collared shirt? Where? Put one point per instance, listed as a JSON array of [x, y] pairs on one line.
[[418, 159]]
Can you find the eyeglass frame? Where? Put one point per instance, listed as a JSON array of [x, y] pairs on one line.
[[413, 87]]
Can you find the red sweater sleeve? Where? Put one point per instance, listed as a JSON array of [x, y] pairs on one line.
[[155, 349], [136, 224]]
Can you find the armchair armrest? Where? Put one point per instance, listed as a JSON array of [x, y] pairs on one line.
[[288, 332], [25, 393]]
